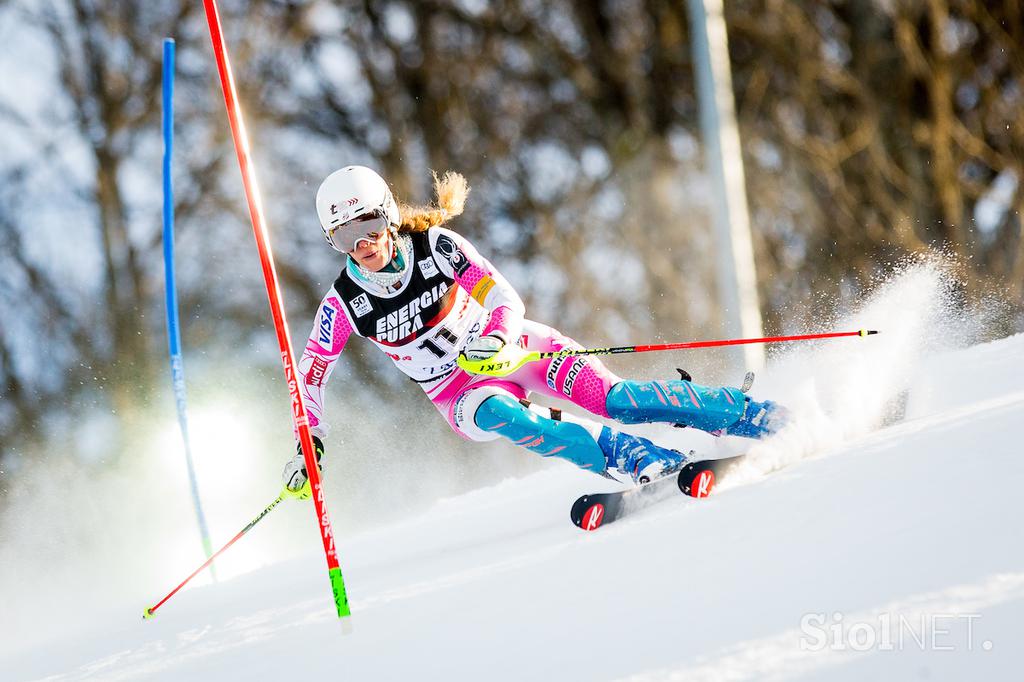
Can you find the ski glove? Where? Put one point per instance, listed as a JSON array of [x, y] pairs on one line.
[[295, 476], [484, 348]]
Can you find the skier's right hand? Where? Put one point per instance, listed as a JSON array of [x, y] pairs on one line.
[[295, 476], [484, 348]]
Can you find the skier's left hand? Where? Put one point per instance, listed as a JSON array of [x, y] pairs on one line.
[[295, 476], [484, 348]]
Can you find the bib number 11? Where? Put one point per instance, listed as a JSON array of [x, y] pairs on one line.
[[443, 336]]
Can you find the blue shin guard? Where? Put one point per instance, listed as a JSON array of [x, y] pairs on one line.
[[548, 437], [724, 410], [595, 449]]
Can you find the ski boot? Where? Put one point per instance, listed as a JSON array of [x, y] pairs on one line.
[[683, 403], [640, 458], [758, 421]]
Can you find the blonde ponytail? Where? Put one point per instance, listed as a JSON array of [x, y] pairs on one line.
[[451, 190]]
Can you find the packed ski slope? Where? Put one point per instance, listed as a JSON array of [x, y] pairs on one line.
[[847, 550]]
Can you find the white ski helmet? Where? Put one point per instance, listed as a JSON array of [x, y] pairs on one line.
[[349, 193]]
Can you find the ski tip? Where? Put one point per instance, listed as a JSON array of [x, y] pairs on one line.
[[588, 512], [703, 484], [697, 479], [346, 626], [593, 517]]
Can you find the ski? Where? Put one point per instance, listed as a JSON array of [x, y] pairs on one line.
[[590, 512], [696, 479]]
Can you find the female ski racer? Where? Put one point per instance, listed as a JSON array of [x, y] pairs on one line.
[[425, 296]]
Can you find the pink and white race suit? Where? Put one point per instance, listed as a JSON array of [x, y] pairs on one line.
[[448, 296]]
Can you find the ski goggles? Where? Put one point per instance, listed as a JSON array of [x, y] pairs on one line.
[[369, 227]]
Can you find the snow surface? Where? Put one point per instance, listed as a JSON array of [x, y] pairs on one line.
[[909, 532]]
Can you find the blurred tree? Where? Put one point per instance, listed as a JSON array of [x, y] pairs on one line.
[[881, 129], [871, 130], [75, 168], [82, 228], [559, 113]]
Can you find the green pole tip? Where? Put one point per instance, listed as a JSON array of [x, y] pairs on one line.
[[346, 626], [147, 614]]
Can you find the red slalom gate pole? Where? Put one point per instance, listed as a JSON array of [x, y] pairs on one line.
[[252, 194]]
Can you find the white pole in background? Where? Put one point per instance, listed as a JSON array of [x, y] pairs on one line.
[[737, 279]]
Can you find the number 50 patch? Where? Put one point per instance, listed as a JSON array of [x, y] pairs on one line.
[[361, 305]]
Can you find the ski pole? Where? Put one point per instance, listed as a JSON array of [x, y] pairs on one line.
[[693, 344], [149, 613], [510, 358]]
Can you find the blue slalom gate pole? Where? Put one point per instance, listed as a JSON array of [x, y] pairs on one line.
[[173, 331]]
